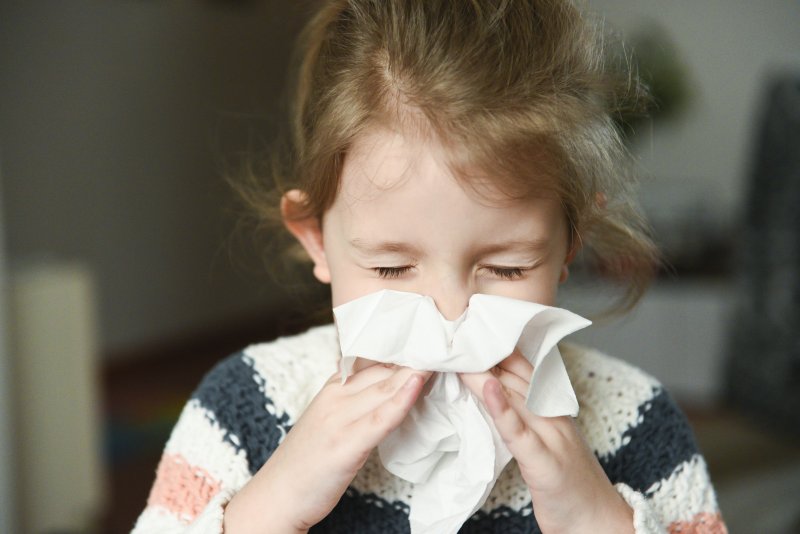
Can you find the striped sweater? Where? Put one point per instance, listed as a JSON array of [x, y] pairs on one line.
[[245, 406]]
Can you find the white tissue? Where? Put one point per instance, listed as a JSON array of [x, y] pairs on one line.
[[448, 446]]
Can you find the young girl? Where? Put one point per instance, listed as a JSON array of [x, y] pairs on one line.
[[445, 148]]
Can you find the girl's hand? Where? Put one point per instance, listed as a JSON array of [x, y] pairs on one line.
[[309, 472], [569, 489]]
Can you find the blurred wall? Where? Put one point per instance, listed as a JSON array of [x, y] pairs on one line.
[[111, 114], [111, 117], [8, 499], [701, 160]]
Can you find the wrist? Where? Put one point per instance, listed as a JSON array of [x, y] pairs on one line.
[[615, 516], [622, 519], [608, 513], [246, 513]]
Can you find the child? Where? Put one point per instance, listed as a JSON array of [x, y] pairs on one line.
[[445, 148]]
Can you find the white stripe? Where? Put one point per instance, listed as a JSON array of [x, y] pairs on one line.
[[609, 392], [685, 493], [374, 478], [295, 368], [201, 441], [158, 519]]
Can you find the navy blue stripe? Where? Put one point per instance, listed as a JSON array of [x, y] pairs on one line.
[[357, 512], [233, 392], [655, 446], [502, 520]]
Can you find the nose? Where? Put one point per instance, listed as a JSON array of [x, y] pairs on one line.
[[450, 297]]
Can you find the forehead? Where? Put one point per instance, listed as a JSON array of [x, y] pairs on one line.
[[395, 183], [383, 160]]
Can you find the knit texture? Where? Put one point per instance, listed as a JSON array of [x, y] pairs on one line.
[[244, 407]]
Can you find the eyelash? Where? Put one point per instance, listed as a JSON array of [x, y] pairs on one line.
[[506, 273], [392, 272]]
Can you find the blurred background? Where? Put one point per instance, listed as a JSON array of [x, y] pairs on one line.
[[124, 275]]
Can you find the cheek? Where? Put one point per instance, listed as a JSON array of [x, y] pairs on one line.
[[549, 284], [345, 287], [538, 293], [348, 282], [541, 286], [547, 295]]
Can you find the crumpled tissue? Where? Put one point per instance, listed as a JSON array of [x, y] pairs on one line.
[[448, 446]]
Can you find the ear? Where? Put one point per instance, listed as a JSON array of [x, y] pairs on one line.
[[307, 230]]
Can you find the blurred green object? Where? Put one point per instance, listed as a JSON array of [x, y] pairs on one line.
[[651, 53]]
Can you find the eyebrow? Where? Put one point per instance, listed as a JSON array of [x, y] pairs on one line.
[[384, 247], [515, 245], [398, 247]]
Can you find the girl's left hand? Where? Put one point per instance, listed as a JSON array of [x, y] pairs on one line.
[[569, 489]]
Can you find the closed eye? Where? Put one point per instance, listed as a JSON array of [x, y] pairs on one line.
[[392, 272], [507, 273]]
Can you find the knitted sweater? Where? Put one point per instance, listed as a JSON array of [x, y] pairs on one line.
[[245, 406]]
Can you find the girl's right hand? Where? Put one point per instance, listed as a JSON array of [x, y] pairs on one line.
[[309, 472]]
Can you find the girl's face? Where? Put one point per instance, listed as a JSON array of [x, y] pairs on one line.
[[402, 221]]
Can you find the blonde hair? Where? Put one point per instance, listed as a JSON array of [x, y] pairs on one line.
[[521, 89]]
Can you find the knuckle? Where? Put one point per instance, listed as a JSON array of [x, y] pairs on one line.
[[332, 386], [519, 430], [387, 416], [334, 378], [333, 441], [385, 386], [377, 418]]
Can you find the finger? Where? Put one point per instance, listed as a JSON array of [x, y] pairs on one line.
[[555, 432], [345, 403], [358, 365], [384, 386], [373, 395], [373, 426], [335, 378], [511, 381], [551, 431], [366, 376], [475, 382], [519, 365], [363, 363], [372, 371], [513, 428]]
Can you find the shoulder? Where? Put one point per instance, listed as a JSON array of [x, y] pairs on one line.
[[611, 394], [609, 390], [252, 398], [630, 421], [288, 372], [291, 370]]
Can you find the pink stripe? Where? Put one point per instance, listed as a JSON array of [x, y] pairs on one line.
[[702, 523], [181, 488]]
